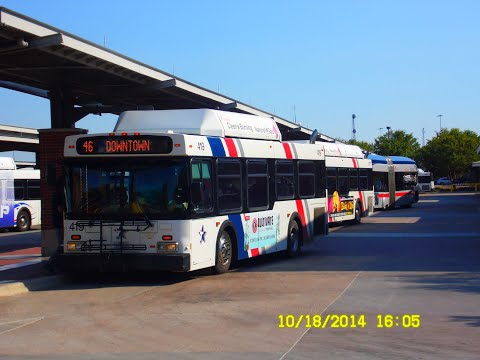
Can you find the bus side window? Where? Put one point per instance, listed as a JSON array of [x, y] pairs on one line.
[[331, 180], [284, 180], [363, 179], [201, 185], [353, 176], [343, 185], [19, 185], [306, 179], [380, 182], [229, 187], [258, 186], [33, 189]]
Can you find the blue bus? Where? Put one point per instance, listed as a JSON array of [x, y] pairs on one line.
[[19, 196]]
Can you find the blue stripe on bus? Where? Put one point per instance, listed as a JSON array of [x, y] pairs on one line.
[[216, 146], [237, 222]]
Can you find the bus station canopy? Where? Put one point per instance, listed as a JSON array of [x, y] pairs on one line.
[[76, 74]]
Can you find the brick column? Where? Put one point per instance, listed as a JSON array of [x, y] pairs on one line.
[[50, 162]]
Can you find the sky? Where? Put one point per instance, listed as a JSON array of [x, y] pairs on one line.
[[391, 63]]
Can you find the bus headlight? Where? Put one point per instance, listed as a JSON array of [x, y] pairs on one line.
[[167, 247], [72, 246]]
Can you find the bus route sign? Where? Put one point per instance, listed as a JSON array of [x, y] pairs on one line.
[[138, 144]]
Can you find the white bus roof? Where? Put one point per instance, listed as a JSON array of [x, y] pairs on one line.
[[343, 150], [199, 122], [7, 163]]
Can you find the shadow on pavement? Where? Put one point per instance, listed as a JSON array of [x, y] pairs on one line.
[[472, 321], [466, 282]]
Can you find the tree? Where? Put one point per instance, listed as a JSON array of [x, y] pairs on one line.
[[450, 153], [397, 143], [362, 144]]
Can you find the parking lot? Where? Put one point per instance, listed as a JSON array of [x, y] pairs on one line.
[[420, 261]]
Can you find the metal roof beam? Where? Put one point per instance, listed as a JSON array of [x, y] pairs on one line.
[[46, 41], [229, 106], [13, 46], [24, 88], [161, 85]]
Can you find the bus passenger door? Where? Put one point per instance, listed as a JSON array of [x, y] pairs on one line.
[[6, 203]]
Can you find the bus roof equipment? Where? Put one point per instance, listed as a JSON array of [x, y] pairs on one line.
[[205, 122]]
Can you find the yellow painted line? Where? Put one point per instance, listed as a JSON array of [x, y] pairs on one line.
[[428, 201]]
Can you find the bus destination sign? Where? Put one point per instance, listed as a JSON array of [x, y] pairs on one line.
[[139, 144]]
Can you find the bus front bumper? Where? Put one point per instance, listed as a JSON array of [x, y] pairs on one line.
[[123, 262]]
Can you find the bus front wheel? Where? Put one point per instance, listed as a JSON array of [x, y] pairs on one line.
[[23, 221], [224, 252]]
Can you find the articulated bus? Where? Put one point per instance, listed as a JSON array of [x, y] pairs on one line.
[[19, 196], [349, 183], [182, 190], [394, 181]]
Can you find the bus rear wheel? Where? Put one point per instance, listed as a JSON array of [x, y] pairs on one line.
[[294, 245], [358, 214], [224, 252], [23, 221]]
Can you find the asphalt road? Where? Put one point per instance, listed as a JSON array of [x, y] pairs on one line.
[[421, 261]]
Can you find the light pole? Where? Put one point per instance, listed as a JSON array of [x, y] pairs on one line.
[[388, 132], [440, 117], [354, 131]]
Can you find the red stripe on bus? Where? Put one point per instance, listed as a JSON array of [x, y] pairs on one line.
[[288, 151], [301, 212], [232, 150], [354, 163], [255, 252], [385, 195], [361, 201]]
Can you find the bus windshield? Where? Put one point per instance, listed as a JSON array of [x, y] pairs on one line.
[[116, 190], [424, 179]]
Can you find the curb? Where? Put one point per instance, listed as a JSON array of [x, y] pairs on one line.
[[22, 287]]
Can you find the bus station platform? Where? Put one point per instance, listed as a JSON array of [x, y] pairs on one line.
[[21, 262]]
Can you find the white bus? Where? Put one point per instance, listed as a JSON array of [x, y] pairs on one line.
[[424, 181], [394, 181], [349, 183], [182, 190], [19, 196]]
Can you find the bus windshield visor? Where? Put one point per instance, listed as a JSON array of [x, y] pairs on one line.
[[127, 190]]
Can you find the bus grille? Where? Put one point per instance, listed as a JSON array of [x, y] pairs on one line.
[[94, 245]]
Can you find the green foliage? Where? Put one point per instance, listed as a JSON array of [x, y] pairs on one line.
[[397, 143], [450, 153], [362, 144]]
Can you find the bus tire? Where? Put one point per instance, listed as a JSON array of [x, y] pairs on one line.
[[23, 221], [294, 243], [358, 214], [224, 252]]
